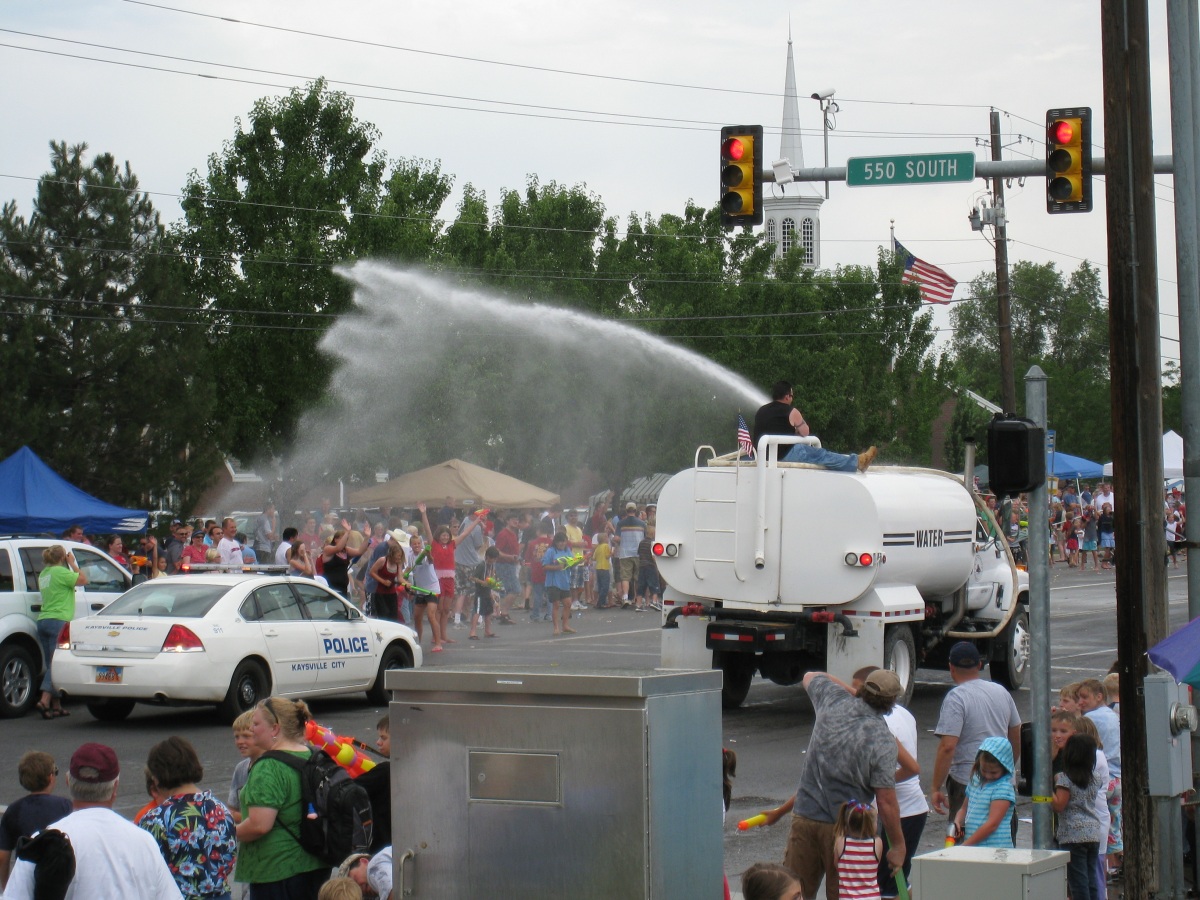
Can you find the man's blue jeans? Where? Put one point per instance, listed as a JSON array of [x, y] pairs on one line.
[[819, 456]]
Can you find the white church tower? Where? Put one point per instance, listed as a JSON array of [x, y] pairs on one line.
[[792, 212]]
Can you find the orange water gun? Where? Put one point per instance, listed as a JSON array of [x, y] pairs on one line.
[[342, 750]]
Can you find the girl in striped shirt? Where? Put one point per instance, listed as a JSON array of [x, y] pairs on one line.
[[858, 850]]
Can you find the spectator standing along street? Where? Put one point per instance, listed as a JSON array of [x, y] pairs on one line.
[[113, 858], [974, 709]]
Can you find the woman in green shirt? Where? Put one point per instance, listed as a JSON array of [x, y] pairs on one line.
[[58, 581], [270, 857]]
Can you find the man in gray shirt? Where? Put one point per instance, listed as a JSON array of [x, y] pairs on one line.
[[851, 756], [973, 710], [468, 553]]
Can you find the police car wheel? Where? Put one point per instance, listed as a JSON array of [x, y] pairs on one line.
[[395, 657], [248, 686]]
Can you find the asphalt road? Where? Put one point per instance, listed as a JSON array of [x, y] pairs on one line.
[[769, 733]]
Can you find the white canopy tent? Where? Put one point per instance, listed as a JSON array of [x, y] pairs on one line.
[[1172, 452]]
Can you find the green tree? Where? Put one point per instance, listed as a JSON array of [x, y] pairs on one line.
[[299, 189], [105, 364], [1059, 325]]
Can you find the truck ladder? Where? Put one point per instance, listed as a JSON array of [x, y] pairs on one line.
[[730, 534]]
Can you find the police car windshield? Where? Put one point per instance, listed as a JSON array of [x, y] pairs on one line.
[[174, 599]]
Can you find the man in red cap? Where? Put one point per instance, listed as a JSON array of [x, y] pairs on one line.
[[112, 858]]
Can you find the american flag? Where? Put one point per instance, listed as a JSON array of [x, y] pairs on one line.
[[936, 286], [745, 445]]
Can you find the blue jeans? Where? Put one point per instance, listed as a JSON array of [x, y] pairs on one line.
[[603, 583], [819, 456], [912, 828], [1081, 871], [539, 602], [47, 631]]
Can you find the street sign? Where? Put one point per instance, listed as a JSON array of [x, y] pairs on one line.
[[920, 168]]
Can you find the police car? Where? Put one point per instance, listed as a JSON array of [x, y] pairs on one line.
[[229, 640]]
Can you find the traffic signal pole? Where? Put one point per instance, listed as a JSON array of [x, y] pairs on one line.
[[1183, 42], [1008, 386]]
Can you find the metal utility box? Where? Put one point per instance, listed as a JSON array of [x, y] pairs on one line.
[[1170, 721], [520, 783], [991, 873]]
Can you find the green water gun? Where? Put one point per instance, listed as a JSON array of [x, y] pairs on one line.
[[416, 562], [571, 561]]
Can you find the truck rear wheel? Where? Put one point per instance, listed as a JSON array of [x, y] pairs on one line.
[[900, 655], [1012, 652], [738, 670]]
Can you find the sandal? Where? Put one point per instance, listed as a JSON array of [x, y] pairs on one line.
[[46, 712], [59, 713], [472, 637]]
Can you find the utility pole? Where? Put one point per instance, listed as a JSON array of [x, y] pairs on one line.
[[1136, 386], [1008, 385]]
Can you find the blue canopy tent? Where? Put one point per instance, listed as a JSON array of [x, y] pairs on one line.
[[1064, 465], [34, 499]]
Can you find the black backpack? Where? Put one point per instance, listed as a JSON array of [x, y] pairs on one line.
[[335, 810]]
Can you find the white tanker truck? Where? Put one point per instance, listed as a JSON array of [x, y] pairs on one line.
[[782, 568]]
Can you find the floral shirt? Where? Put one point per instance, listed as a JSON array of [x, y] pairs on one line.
[[197, 837]]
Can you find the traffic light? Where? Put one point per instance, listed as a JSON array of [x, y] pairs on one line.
[[741, 176], [1069, 160]]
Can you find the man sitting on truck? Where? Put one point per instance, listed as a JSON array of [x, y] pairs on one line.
[[780, 417]]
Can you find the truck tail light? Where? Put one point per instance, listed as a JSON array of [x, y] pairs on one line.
[[181, 640], [861, 560], [64, 637], [668, 550]]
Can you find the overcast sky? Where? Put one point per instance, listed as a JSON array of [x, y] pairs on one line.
[[631, 109]]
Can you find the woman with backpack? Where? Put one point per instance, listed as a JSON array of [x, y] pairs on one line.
[[270, 858]]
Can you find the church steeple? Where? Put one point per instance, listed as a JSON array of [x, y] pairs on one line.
[[792, 213], [790, 147]]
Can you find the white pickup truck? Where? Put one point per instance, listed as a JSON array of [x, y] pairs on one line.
[[20, 602]]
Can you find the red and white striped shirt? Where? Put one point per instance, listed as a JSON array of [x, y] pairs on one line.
[[858, 870]]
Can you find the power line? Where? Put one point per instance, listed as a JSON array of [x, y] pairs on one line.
[[653, 121]]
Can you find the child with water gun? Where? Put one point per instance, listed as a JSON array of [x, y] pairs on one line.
[[485, 583]]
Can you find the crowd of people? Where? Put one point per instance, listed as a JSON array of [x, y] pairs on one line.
[[859, 812], [1082, 526], [186, 842], [454, 567]]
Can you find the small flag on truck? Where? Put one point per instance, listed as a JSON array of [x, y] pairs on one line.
[[745, 445]]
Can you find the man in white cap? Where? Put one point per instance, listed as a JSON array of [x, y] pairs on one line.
[[112, 859]]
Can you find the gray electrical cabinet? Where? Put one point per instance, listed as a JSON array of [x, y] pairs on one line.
[[991, 873], [522, 783]]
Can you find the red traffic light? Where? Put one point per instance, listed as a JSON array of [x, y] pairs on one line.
[[1062, 132], [733, 149]]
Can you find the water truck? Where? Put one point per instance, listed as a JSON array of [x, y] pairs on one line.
[[779, 568]]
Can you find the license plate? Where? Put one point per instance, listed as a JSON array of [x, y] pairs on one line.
[[108, 674]]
